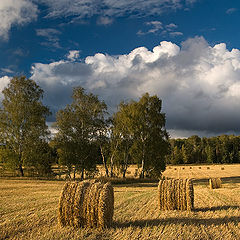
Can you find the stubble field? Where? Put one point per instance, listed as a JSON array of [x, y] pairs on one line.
[[28, 210]]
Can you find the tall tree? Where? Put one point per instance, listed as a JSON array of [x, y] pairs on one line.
[[79, 127], [122, 137], [143, 124], [22, 121]]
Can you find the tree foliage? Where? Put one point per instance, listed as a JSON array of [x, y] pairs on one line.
[[22, 123], [140, 127], [221, 149], [79, 128]]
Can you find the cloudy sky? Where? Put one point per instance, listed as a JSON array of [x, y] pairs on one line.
[[185, 51]]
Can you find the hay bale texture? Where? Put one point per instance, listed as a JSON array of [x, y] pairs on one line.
[[86, 204], [176, 194], [215, 183]]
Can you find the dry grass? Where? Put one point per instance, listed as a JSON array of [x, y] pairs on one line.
[[203, 171], [28, 210]]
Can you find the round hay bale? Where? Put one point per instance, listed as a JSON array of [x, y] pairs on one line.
[[62, 205], [189, 194], [184, 199], [79, 213], [215, 183], [86, 204], [211, 183], [160, 204], [65, 207], [218, 182], [105, 206], [176, 194]]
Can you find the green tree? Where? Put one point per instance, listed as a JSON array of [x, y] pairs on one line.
[[22, 122], [143, 124], [122, 137], [79, 127]]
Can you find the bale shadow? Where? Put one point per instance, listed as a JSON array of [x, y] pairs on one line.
[[205, 180], [136, 185], [181, 221], [216, 208]]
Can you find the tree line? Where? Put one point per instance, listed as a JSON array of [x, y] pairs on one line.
[[86, 134], [223, 149]]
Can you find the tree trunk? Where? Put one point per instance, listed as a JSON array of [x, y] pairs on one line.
[[104, 162], [111, 160], [74, 173], [82, 174], [124, 172], [125, 162], [111, 166], [143, 163], [143, 170], [20, 163], [21, 170]]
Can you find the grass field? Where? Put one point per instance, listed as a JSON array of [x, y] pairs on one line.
[[28, 210]]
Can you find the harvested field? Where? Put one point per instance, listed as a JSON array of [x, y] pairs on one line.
[[28, 210], [203, 171]]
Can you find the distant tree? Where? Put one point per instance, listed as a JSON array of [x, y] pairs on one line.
[[79, 127], [22, 122], [141, 128]]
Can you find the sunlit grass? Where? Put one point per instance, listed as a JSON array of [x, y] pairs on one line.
[[28, 210]]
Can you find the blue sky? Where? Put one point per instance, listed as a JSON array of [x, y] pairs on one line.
[[186, 52]]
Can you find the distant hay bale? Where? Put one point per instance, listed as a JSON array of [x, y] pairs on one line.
[[215, 183], [190, 167], [208, 167], [175, 168], [86, 204], [222, 168], [200, 167], [175, 194]]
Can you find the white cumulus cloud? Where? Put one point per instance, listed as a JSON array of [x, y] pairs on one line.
[[3, 83], [73, 55], [198, 83], [15, 12]]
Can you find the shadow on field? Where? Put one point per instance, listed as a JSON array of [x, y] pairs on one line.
[[204, 181], [181, 221], [217, 208], [140, 185]]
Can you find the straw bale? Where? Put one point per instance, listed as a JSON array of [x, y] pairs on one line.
[[218, 182], [215, 183], [161, 194], [79, 212], [189, 194], [65, 204], [86, 204], [62, 205], [184, 193], [105, 206], [176, 194]]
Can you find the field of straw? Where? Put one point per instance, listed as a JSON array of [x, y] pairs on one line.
[[29, 210], [203, 171]]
